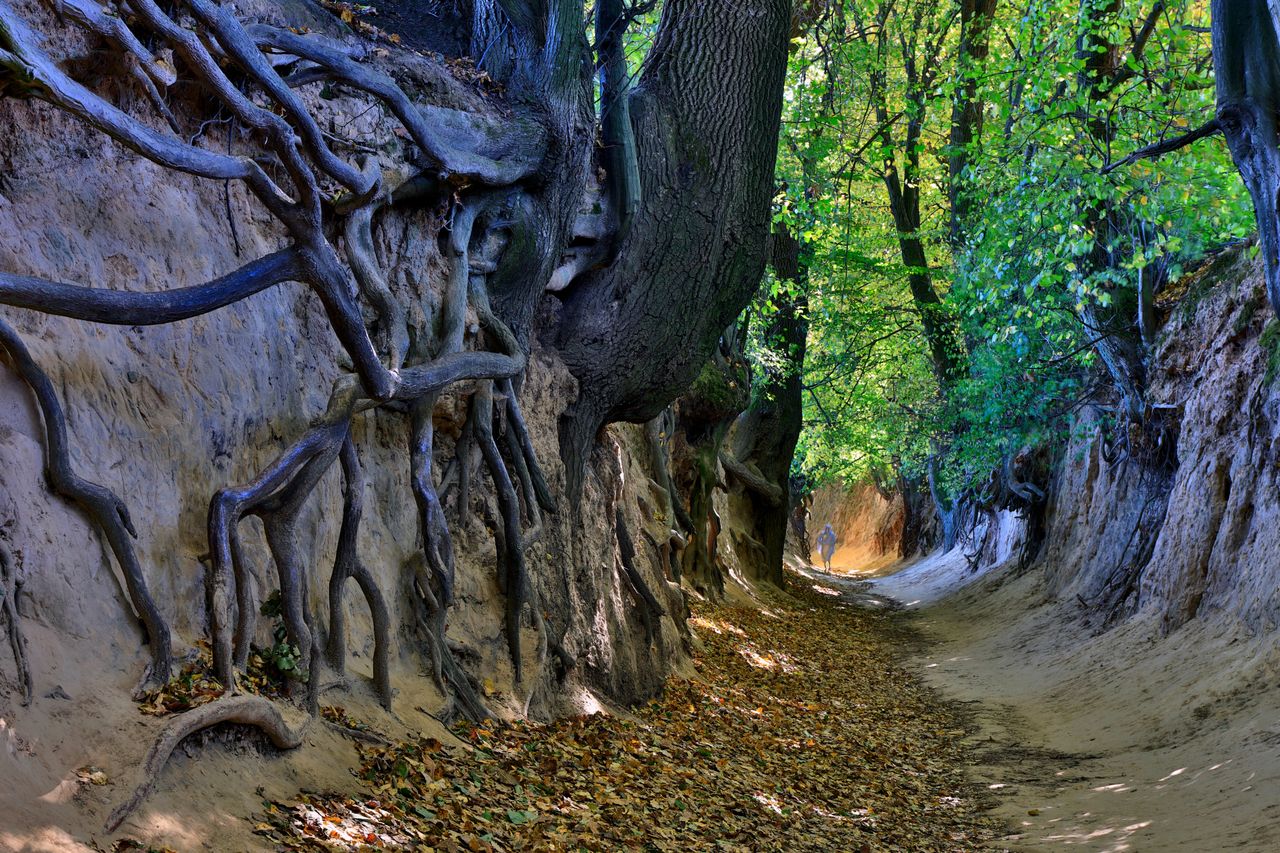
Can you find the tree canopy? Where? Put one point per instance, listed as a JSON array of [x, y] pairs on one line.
[[986, 219]]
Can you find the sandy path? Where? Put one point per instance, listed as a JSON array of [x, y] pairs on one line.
[[1106, 742], [798, 731]]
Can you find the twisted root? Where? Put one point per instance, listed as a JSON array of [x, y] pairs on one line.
[[104, 508], [245, 710], [9, 586]]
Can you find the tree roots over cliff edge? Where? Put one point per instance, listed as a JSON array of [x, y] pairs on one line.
[[503, 186]]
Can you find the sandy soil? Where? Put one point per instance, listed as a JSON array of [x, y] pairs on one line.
[[1105, 741], [83, 720]]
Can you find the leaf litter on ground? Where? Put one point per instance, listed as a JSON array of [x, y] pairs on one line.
[[800, 731]]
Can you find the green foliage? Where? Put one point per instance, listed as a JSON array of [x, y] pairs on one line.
[[1270, 343], [281, 660], [1047, 233]]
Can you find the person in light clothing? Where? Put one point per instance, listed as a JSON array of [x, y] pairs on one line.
[[827, 546]]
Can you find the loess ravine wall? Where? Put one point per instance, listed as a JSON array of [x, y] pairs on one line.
[[1198, 537], [167, 415]]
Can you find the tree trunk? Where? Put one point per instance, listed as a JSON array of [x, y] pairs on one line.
[[920, 522], [967, 108], [1113, 325], [765, 435], [1246, 60], [706, 115]]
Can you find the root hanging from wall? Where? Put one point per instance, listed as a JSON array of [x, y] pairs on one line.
[[10, 584], [103, 507]]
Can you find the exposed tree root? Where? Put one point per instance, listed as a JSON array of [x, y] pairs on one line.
[[10, 584], [245, 710], [453, 149], [751, 477], [289, 479], [513, 576], [104, 508], [520, 437], [650, 609], [348, 565], [449, 676], [659, 432], [293, 176], [357, 734]]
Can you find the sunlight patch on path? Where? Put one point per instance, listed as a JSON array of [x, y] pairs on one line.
[[800, 732]]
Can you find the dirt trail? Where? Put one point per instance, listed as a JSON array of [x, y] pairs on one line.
[[1110, 741], [798, 732]]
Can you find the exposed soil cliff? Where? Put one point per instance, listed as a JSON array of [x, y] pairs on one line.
[[167, 415], [868, 525], [1125, 679], [1196, 533]]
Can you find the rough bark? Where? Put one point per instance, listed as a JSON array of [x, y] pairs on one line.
[[10, 584], [765, 435], [706, 114], [617, 134], [920, 523], [1246, 60]]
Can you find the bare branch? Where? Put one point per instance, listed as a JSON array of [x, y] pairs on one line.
[[1209, 128]]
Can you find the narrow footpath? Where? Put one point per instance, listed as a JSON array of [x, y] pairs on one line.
[[800, 731]]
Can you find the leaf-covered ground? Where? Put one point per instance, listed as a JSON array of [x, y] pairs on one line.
[[801, 732]]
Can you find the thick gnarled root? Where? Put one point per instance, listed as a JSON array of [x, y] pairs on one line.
[[104, 508], [292, 172], [245, 710], [347, 565]]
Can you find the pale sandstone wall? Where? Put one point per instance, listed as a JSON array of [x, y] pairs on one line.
[[867, 523], [1215, 550], [167, 415]]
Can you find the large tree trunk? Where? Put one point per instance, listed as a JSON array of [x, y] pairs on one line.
[[645, 288], [947, 354], [765, 435], [544, 61], [706, 115], [1246, 60]]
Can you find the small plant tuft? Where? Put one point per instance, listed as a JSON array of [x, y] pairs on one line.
[[1270, 343]]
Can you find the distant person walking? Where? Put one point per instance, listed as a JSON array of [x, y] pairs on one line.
[[827, 546]]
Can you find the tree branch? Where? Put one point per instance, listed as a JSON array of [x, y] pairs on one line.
[[1166, 146]]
